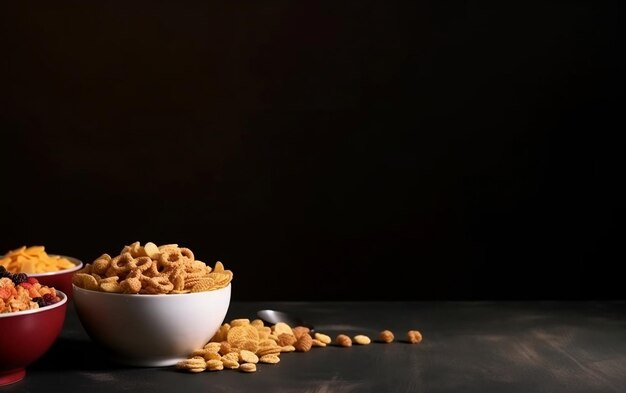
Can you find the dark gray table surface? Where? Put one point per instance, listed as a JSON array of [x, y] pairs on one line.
[[467, 347]]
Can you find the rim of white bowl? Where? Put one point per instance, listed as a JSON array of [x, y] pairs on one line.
[[76, 288], [37, 310], [77, 262]]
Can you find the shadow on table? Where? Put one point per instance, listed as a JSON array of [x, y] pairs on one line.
[[71, 354]]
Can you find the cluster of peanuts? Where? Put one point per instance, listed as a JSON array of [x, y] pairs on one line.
[[152, 269], [242, 344]]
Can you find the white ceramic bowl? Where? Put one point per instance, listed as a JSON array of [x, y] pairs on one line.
[[151, 330]]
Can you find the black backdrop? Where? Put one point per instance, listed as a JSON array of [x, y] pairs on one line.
[[323, 150]]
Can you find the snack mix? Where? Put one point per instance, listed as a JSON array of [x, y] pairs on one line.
[[152, 269], [19, 292], [33, 259], [241, 344]]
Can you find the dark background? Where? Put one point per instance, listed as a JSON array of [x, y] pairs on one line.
[[324, 150]]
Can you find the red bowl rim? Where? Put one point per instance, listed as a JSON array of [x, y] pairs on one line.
[[37, 310]]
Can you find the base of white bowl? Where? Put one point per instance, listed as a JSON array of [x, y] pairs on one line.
[[159, 362]]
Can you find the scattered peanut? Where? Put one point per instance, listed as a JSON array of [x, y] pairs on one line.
[[300, 330], [386, 336], [317, 343], [304, 343], [323, 338], [361, 339], [343, 341], [286, 339], [414, 336]]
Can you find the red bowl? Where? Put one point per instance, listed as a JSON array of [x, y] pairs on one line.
[[61, 279], [26, 336]]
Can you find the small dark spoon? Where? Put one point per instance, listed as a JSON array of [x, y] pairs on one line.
[[272, 317]]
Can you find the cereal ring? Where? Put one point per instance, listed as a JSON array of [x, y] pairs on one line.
[[121, 264], [155, 269], [171, 258], [187, 253], [142, 264], [158, 285]]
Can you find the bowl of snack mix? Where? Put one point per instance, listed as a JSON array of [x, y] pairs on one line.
[[50, 269], [31, 319], [149, 305]]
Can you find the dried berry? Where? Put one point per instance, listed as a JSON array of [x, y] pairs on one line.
[[40, 301], [19, 278], [50, 298]]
